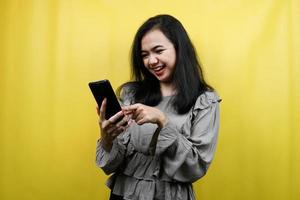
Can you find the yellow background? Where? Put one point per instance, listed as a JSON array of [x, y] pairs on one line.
[[51, 49]]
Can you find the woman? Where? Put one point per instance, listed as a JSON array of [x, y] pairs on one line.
[[165, 136]]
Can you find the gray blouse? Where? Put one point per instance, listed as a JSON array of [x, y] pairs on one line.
[[148, 163]]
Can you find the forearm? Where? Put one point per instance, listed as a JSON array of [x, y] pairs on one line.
[[106, 144], [110, 160]]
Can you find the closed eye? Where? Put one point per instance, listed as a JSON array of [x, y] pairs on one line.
[[159, 51], [144, 55]]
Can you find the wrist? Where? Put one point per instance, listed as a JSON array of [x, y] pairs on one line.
[[162, 121], [106, 145]]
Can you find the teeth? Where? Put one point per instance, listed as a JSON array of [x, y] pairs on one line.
[[157, 68]]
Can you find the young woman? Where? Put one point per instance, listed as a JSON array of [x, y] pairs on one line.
[[165, 137]]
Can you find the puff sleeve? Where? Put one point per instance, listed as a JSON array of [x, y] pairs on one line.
[[187, 152], [110, 161]]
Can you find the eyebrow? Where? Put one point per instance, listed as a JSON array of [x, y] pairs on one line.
[[153, 48]]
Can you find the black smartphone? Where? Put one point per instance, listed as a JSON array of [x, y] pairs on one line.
[[102, 89]]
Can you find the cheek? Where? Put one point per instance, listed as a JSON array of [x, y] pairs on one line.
[[172, 63], [145, 63], [171, 57]]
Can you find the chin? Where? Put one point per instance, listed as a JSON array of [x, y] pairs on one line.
[[164, 80]]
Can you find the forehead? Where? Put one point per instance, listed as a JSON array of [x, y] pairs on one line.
[[153, 38]]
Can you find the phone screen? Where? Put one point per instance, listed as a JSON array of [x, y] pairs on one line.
[[103, 89]]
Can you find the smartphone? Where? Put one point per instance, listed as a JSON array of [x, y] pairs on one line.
[[102, 89]]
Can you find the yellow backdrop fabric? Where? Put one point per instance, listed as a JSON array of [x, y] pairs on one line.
[[50, 50]]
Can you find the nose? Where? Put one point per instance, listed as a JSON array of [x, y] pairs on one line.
[[152, 60]]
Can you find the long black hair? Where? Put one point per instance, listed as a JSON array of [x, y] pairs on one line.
[[187, 79]]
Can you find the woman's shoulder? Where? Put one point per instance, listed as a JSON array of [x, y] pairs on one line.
[[206, 99], [128, 88], [127, 91]]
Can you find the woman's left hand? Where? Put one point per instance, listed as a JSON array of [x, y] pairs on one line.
[[145, 114]]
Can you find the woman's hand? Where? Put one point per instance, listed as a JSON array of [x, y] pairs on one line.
[[145, 114], [112, 127]]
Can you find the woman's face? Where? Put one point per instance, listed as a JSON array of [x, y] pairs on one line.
[[159, 55]]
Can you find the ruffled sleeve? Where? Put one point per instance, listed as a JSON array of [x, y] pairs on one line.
[[187, 152], [110, 161], [127, 95]]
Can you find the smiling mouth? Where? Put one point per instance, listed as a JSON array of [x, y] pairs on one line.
[[158, 71], [158, 68]]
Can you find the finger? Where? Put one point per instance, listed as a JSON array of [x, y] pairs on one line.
[[140, 122], [116, 117], [105, 124], [130, 122], [132, 107], [103, 109], [110, 130], [114, 121], [123, 122], [129, 117], [127, 112], [117, 132], [137, 115]]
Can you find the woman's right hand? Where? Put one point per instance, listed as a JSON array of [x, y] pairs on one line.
[[112, 127]]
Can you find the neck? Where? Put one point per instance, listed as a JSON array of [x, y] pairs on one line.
[[167, 89]]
